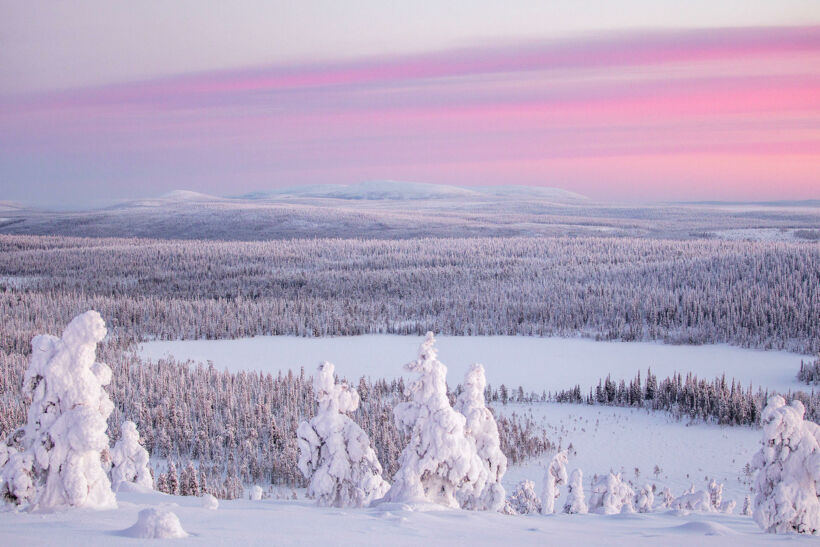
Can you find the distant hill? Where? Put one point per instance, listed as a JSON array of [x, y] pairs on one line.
[[396, 190]]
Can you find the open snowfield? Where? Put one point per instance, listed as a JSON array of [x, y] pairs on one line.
[[620, 439], [534, 363], [269, 522]]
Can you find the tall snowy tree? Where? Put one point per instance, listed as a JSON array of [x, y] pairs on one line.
[[788, 470], [439, 459], [129, 459], [554, 476], [54, 461], [335, 454], [481, 427], [575, 493]]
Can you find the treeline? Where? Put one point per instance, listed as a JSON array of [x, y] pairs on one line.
[[751, 294], [240, 428], [720, 401]]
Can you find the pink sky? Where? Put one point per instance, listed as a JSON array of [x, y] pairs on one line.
[[673, 115]]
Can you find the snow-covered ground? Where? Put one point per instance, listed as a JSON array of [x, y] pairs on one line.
[[274, 522], [534, 363], [620, 439]]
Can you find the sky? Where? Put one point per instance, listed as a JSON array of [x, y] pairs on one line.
[[633, 100]]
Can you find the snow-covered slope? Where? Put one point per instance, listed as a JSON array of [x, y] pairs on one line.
[[513, 190]]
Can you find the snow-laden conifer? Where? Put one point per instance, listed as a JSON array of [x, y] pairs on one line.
[[575, 494], [554, 476], [644, 499], [335, 454], [523, 500], [54, 461], [439, 459], [481, 427], [129, 460], [610, 495], [788, 470]]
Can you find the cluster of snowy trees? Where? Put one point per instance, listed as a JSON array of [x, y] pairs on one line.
[[452, 456], [809, 372], [609, 494], [721, 401], [750, 294]]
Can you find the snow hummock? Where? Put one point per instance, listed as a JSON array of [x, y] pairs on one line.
[[153, 523], [209, 502], [54, 461]]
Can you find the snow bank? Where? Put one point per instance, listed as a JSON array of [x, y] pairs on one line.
[[209, 502], [153, 523]]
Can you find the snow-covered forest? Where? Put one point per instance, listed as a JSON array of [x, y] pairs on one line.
[[189, 429], [751, 294]]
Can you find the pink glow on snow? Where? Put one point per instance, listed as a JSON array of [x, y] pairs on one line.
[[687, 114]]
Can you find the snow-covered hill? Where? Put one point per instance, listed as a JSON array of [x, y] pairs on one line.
[[371, 190]]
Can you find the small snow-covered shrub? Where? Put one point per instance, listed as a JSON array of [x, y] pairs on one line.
[[439, 459], [209, 502], [54, 461], [335, 454], [554, 476], [255, 493], [575, 494], [481, 427], [788, 470], [644, 499], [611, 495], [693, 501], [129, 460], [523, 500], [727, 507], [153, 523], [747, 506]]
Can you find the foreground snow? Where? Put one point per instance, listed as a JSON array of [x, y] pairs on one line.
[[244, 522], [532, 362]]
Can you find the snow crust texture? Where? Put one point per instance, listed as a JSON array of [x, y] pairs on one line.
[[335, 454], [54, 461]]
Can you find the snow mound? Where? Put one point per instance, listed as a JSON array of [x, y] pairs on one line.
[[156, 523], [209, 502], [703, 528]]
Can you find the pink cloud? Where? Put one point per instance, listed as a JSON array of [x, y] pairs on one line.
[[679, 107]]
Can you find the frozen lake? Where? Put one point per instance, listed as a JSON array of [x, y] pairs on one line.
[[534, 363]]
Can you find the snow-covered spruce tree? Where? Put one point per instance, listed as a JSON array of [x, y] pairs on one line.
[[747, 506], [481, 427], [715, 494], [439, 459], [575, 494], [129, 460], [54, 461], [610, 495], [335, 454], [644, 499], [554, 476], [788, 466], [523, 500]]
